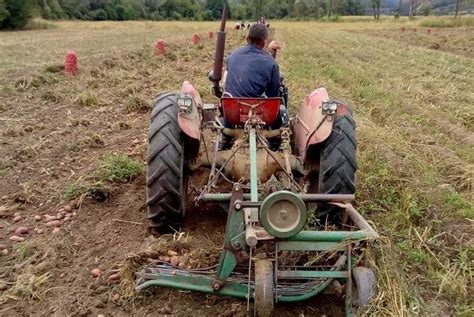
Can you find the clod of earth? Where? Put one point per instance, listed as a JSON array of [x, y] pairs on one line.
[[3, 286], [38, 217], [56, 230], [16, 219], [67, 208]]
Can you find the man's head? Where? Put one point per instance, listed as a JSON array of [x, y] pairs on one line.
[[258, 34]]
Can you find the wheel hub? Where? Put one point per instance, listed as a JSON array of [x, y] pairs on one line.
[[283, 214]]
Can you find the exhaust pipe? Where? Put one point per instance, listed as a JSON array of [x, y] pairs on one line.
[[219, 56]]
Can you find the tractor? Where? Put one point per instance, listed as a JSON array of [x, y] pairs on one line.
[[286, 191]]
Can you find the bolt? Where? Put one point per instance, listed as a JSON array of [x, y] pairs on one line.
[[238, 205], [283, 214], [236, 244], [216, 286]]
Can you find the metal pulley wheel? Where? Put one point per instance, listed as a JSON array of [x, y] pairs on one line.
[[264, 288], [283, 214]]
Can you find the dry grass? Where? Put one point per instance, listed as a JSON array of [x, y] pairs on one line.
[[414, 114], [37, 263]]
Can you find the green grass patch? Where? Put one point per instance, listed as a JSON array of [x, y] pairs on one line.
[[87, 99], [447, 22], [111, 168], [24, 250], [118, 167], [137, 104]]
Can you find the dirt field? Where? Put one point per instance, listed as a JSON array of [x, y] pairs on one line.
[[62, 137]]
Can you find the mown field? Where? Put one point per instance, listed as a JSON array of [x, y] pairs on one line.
[[80, 142]]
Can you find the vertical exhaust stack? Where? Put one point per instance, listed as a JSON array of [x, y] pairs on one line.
[[219, 56]]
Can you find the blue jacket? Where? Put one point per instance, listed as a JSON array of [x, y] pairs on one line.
[[252, 72]]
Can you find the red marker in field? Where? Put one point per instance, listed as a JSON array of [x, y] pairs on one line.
[[210, 34], [160, 47], [196, 38], [414, 30], [70, 63], [402, 29], [428, 31]]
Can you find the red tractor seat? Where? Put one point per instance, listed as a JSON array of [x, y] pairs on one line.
[[236, 110]]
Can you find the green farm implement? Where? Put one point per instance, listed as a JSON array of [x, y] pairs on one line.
[[292, 231]]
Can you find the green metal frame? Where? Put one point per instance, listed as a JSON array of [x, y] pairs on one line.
[[234, 242]]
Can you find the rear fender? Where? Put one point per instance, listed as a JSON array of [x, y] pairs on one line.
[[310, 126], [190, 123]]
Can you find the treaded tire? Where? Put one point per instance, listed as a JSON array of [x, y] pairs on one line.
[[364, 286], [166, 182], [338, 164]]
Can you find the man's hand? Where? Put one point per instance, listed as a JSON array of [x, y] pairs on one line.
[[275, 45]]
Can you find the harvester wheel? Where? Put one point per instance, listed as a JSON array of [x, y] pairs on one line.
[[166, 180], [338, 161], [264, 288], [364, 286]]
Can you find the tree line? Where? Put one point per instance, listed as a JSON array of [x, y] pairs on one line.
[[16, 13]]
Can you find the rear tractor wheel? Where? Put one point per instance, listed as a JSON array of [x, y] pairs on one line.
[[337, 163], [166, 176]]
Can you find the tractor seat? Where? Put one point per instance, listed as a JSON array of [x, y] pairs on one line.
[[236, 110]]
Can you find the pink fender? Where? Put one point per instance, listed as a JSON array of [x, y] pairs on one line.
[[190, 123], [310, 128]]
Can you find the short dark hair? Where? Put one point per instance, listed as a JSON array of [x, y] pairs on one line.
[[258, 32]]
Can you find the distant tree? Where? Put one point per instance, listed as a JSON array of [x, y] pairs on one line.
[[215, 8], [353, 7], [19, 13], [100, 15], [3, 11], [376, 8], [300, 9], [399, 9], [239, 11], [412, 9], [277, 9], [256, 8], [333, 6], [458, 8], [50, 9], [330, 7], [425, 9], [316, 9]]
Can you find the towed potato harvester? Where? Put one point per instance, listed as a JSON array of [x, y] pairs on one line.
[[289, 192]]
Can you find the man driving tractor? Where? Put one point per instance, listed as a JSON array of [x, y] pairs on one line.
[[252, 72]]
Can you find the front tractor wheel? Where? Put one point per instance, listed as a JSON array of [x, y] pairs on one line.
[[166, 180]]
